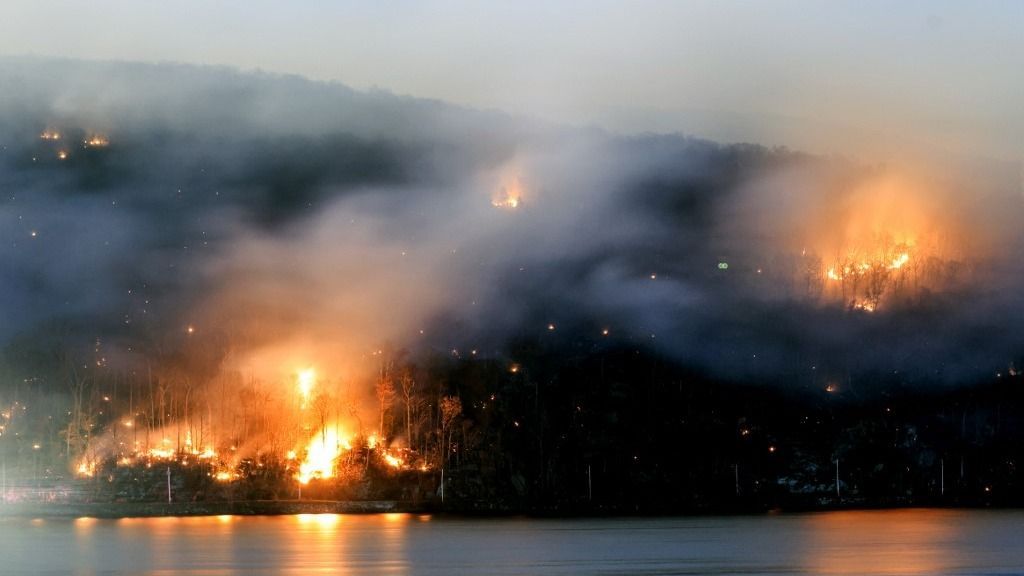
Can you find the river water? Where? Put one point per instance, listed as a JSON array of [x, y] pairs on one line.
[[847, 542]]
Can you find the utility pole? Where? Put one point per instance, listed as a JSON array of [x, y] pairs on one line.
[[942, 477], [736, 471]]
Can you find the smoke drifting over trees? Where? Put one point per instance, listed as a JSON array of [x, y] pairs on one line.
[[202, 229]]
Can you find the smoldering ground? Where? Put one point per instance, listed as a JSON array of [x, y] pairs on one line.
[[282, 222]]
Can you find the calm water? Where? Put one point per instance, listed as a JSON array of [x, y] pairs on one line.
[[862, 543]]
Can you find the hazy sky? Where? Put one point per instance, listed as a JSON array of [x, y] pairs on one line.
[[868, 78]]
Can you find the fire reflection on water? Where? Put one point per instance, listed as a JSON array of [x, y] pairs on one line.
[[869, 542], [908, 541]]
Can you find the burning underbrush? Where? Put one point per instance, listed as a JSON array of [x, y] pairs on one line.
[[361, 469], [266, 441]]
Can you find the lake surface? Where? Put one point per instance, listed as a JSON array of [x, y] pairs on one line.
[[848, 542]]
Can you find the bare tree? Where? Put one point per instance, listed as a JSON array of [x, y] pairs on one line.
[[408, 389], [386, 396], [451, 410]]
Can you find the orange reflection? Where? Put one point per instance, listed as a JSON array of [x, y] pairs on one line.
[[321, 520], [84, 523], [866, 542]]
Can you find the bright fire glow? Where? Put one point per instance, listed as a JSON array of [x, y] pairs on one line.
[[97, 141], [899, 261], [321, 452], [880, 244], [307, 379], [50, 135], [86, 468], [508, 196]]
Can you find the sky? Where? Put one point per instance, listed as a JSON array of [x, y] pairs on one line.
[[873, 80]]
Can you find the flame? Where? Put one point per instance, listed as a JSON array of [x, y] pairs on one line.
[[162, 453], [86, 468], [881, 242], [97, 141], [62, 155], [321, 452], [393, 461], [864, 305], [508, 196], [49, 135], [307, 379]]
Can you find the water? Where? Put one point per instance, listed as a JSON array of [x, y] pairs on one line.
[[861, 543]]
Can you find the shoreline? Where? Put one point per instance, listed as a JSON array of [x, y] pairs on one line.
[[123, 510], [115, 510]]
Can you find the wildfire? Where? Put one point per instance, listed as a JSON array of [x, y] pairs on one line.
[[506, 201], [393, 461], [508, 196], [161, 453], [86, 468], [881, 242], [165, 452], [864, 305], [899, 261], [49, 135], [321, 452], [307, 379], [97, 141]]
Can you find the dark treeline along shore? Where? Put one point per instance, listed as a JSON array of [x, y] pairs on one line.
[[613, 431], [248, 292]]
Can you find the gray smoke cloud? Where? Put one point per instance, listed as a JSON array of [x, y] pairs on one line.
[[288, 222]]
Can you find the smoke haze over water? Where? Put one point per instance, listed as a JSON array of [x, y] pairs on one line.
[[293, 223]]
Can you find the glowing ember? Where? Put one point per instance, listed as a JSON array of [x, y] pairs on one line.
[[50, 135], [393, 461], [62, 155], [224, 476]]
